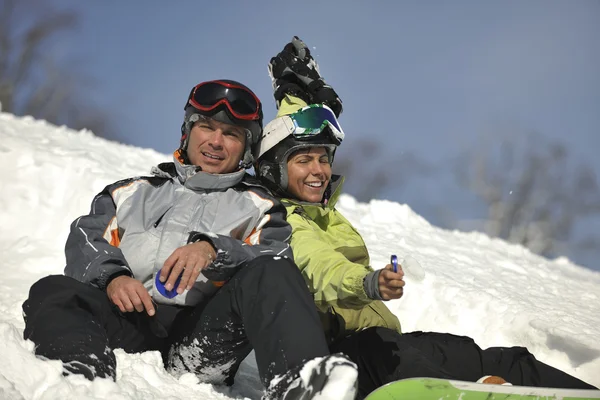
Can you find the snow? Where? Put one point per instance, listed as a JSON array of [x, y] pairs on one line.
[[499, 294]]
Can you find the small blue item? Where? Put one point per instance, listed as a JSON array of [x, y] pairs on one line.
[[160, 286], [394, 262]]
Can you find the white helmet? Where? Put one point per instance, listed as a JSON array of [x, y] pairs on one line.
[[311, 126]]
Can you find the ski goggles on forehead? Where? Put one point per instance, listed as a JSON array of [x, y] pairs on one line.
[[312, 120], [241, 102]]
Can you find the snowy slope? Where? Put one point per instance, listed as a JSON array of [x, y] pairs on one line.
[[497, 293]]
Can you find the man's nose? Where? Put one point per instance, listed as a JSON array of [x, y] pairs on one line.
[[216, 138]]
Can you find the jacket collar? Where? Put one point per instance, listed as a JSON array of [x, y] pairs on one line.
[[336, 184], [193, 178]]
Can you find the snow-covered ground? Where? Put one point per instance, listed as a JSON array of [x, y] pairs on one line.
[[497, 293]]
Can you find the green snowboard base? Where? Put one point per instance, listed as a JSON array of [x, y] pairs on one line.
[[445, 389]]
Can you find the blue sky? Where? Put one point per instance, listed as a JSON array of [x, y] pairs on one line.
[[424, 77]]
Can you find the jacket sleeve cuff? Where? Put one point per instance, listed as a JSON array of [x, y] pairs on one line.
[[371, 285], [104, 285], [197, 237]]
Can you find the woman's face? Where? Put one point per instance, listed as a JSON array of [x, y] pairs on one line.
[[309, 173]]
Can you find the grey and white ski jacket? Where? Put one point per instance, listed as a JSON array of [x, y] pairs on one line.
[[135, 224]]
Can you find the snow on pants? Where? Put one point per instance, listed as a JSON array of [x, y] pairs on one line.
[[384, 355], [265, 306]]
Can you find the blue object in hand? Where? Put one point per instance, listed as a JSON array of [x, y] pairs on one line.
[[394, 262], [160, 286]]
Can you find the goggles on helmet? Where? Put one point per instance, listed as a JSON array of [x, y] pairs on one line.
[[312, 120], [241, 102], [304, 124]]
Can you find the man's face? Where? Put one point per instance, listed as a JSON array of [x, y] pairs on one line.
[[215, 146], [309, 173]]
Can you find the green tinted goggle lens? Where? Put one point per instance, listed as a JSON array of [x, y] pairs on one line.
[[312, 120]]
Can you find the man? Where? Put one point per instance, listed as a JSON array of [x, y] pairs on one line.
[[192, 261]]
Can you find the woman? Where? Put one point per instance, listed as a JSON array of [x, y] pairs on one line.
[[294, 160]]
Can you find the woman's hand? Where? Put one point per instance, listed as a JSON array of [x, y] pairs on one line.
[[391, 284], [190, 259]]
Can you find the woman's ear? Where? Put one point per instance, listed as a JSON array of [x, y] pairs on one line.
[[271, 172], [262, 168], [267, 169]]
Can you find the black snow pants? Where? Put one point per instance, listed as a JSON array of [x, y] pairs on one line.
[[384, 355], [265, 306]]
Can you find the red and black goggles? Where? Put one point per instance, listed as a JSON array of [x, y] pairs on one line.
[[241, 102]]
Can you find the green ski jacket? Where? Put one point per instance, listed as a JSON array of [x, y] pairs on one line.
[[334, 261]]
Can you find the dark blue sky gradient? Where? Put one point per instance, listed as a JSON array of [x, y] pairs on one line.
[[429, 78]]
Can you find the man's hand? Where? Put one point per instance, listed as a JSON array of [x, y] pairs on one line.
[[190, 259], [294, 71], [391, 284], [129, 294]]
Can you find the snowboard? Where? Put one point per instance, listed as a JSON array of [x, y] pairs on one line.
[[446, 389]]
